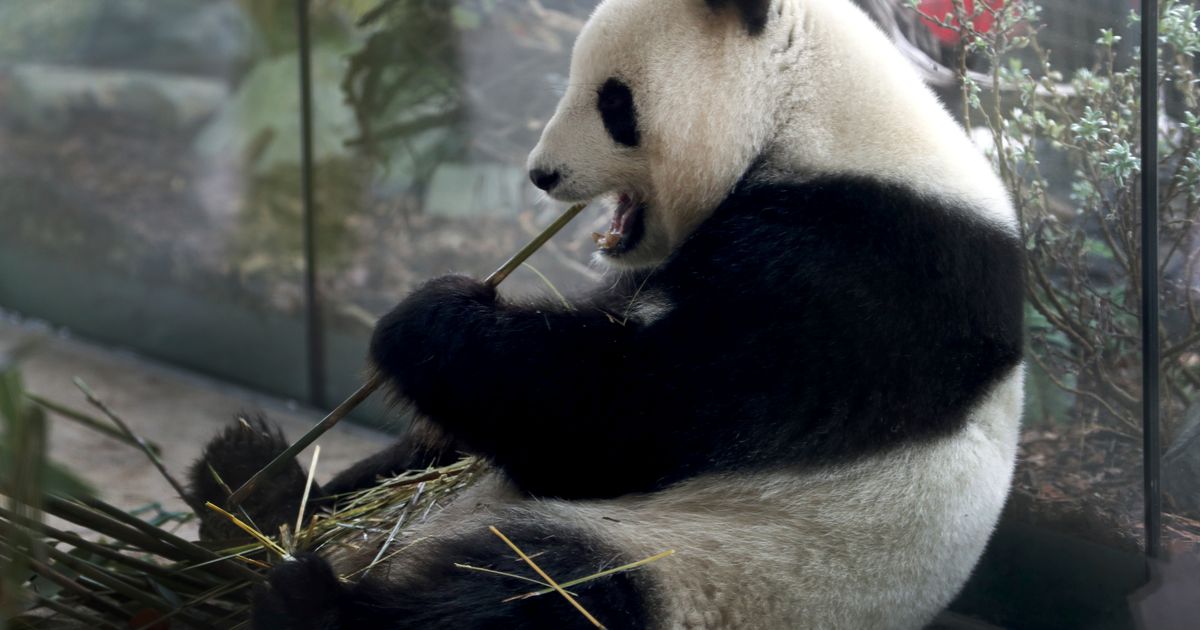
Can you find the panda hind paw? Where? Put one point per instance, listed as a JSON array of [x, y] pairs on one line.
[[243, 448], [302, 593]]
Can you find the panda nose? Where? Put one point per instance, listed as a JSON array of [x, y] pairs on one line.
[[544, 180]]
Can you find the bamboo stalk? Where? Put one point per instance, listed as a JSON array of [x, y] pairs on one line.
[[75, 540], [355, 399], [74, 613], [193, 551], [134, 592], [92, 599], [212, 593], [110, 521], [101, 524]]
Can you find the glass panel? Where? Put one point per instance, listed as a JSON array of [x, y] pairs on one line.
[[1179, 270], [1053, 96], [148, 179], [425, 132], [1053, 93]]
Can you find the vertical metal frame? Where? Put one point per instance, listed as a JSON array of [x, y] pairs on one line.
[[314, 332], [1151, 447]]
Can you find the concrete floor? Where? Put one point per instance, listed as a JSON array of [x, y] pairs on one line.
[[176, 409]]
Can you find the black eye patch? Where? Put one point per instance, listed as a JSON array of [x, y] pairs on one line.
[[615, 102]]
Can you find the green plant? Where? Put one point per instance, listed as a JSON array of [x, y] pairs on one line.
[[442, 81], [25, 477]]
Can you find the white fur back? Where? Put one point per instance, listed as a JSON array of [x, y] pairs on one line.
[[866, 111]]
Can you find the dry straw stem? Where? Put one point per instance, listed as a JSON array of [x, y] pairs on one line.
[[595, 576], [308, 484], [395, 528], [376, 381], [254, 533], [88, 421], [142, 444], [549, 580]]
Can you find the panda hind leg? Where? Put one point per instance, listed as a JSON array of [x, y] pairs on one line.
[[241, 449], [429, 589], [421, 446], [245, 446]]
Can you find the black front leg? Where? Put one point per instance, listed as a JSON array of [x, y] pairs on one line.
[[530, 386], [414, 344]]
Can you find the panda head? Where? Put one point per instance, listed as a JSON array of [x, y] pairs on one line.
[[671, 102], [664, 111]]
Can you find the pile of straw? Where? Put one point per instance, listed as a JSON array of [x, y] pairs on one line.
[[115, 570], [69, 559], [99, 566]]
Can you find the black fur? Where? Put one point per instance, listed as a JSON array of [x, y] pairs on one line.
[[435, 594], [235, 455], [246, 446], [754, 12], [809, 323], [618, 111]]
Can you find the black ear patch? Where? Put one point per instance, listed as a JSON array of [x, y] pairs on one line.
[[615, 102], [754, 12]]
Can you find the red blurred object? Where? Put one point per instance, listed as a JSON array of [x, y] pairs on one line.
[[941, 8]]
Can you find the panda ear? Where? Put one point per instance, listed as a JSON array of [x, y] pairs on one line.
[[754, 12]]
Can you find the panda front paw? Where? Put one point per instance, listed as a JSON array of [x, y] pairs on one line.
[[300, 594], [424, 330]]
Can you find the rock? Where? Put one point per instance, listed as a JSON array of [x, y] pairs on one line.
[[46, 97], [1181, 465], [215, 38]]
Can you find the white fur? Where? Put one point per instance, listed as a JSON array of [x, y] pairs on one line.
[[821, 91], [647, 307]]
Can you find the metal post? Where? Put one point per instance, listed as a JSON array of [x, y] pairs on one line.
[[315, 338], [1149, 264]]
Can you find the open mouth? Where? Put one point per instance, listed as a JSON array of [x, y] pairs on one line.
[[625, 229]]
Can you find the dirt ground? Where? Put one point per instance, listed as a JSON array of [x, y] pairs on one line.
[[177, 410]]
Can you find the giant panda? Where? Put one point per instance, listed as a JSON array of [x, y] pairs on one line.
[[804, 372]]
